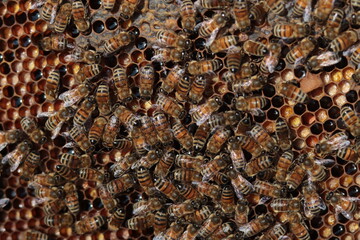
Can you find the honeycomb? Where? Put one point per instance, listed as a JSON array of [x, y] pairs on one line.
[[25, 66]]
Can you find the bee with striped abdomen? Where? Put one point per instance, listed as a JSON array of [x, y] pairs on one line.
[[291, 30], [120, 184], [212, 26], [344, 41], [163, 128], [168, 38], [258, 164], [97, 129], [122, 85], [62, 18], [81, 139], [84, 112], [351, 120], [74, 95], [9, 137], [32, 161], [169, 106], [79, 14], [255, 48], [301, 51], [268, 189], [313, 203], [187, 14], [322, 10], [59, 220], [31, 128], [257, 225], [117, 219], [89, 224], [347, 206], [250, 104], [241, 15], [182, 135], [240, 184], [283, 134], [283, 166], [218, 139], [52, 85], [286, 205], [333, 24], [204, 66], [118, 41], [202, 112], [146, 82], [331, 144], [172, 79], [291, 92], [102, 97], [16, 157]]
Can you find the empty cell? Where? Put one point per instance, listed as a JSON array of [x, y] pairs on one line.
[[352, 96], [111, 24], [98, 26], [329, 125]]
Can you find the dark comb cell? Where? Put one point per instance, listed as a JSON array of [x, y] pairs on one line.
[[326, 102], [351, 96], [98, 26], [299, 108], [338, 229], [111, 23]]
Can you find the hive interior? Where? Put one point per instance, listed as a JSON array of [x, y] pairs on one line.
[[24, 68]]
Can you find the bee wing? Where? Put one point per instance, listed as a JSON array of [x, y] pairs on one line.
[[246, 228], [271, 62], [46, 114], [346, 214], [140, 210], [3, 145], [328, 60], [57, 130], [70, 145], [17, 161], [307, 211], [212, 37], [53, 15], [264, 199], [234, 155], [307, 12], [324, 161], [4, 202], [257, 112], [70, 96], [71, 58], [37, 4], [159, 237]]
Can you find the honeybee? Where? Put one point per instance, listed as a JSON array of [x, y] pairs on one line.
[[322, 10], [241, 15], [295, 177], [186, 175], [283, 166], [242, 210], [250, 104], [200, 136], [333, 24], [197, 89], [57, 119], [91, 174], [163, 166], [80, 139], [162, 126], [186, 161], [343, 41], [80, 17], [169, 106], [300, 8], [213, 4], [97, 129], [298, 227], [331, 144], [48, 10], [325, 59], [257, 225], [109, 202], [315, 169], [218, 139], [89, 224], [66, 172], [118, 41], [16, 157], [187, 14], [204, 66], [291, 30], [215, 165], [240, 184], [108, 4], [54, 207], [264, 139], [139, 141], [127, 9], [223, 43], [169, 54], [223, 231], [117, 219], [167, 188], [140, 222], [126, 116], [249, 85], [348, 154], [351, 120], [110, 132], [286, 205], [212, 26], [313, 203], [46, 193], [84, 111], [122, 85], [300, 51], [146, 81], [182, 89], [145, 180], [173, 232], [71, 198], [209, 226], [31, 163], [247, 70], [73, 96], [148, 128], [347, 206], [274, 233], [160, 222], [181, 209], [56, 42], [143, 206], [52, 85], [291, 92], [201, 113], [168, 38], [190, 232], [172, 79], [34, 235], [188, 191], [277, 7], [103, 98], [85, 56], [211, 190], [62, 17], [120, 184], [59, 220], [236, 153], [227, 200], [249, 145], [182, 135], [47, 180], [283, 134], [9, 137], [32, 130], [258, 164], [270, 61], [227, 118], [233, 59], [88, 72], [268, 189], [124, 164], [199, 216], [255, 48]]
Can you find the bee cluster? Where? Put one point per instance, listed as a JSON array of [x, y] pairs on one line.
[[180, 120]]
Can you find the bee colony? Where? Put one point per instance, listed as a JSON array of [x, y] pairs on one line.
[[179, 119]]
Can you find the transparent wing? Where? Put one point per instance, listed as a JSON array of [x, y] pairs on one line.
[[346, 214], [69, 97], [57, 130], [4, 202], [46, 114], [3, 145]]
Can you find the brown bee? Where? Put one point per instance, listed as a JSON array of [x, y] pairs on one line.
[[48, 10], [242, 210], [169, 54], [57, 119], [322, 10], [264, 139], [148, 129], [223, 231], [143, 206], [169, 38], [197, 89], [110, 132], [103, 98], [291, 30], [120, 184], [218, 139], [108, 4], [97, 129], [182, 89], [258, 164], [162, 126], [316, 171], [333, 24], [246, 71], [291, 92], [270, 61], [109, 202], [224, 118], [46, 193], [223, 43], [79, 14], [213, 4], [186, 175], [117, 219], [330, 144], [187, 14], [73, 96], [300, 51], [71, 198], [172, 79], [89, 224], [9, 137], [268, 189], [204, 66], [163, 166], [212, 26], [169, 106], [241, 15], [209, 226], [88, 72], [122, 85], [313, 203], [167, 188], [182, 135], [348, 154], [300, 7], [215, 165], [249, 85], [201, 113], [126, 116], [59, 220], [190, 232], [151, 158], [85, 56], [80, 139], [255, 48], [286, 205], [325, 59], [199, 216], [62, 17], [32, 130], [298, 227], [47, 180], [34, 235], [146, 82], [351, 120], [347, 206], [56, 42], [200, 136], [140, 222], [277, 7], [189, 162], [249, 145], [124, 164], [84, 111], [52, 85], [295, 177], [343, 41], [160, 222], [66, 172], [283, 134], [16, 157], [211, 190], [227, 200], [139, 141], [31, 163], [118, 41], [188, 191], [240, 184], [257, 225], [233, 59], [173, 232], [274, 233], [250, 104], [283, 166], [181, 209], [54, 207], [145, 180], [236, 153], [91, 174], [127, 9]]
